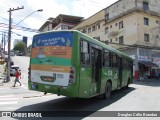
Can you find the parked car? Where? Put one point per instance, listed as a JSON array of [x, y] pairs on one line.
[[11, 61], [20, 54], [13, 69], [12, 54], [6, 53]]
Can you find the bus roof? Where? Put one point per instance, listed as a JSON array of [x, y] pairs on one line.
[[101, 44]]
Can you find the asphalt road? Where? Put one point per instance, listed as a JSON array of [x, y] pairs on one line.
[[141, 96]]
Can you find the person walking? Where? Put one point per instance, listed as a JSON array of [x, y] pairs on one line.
[[18, 76]]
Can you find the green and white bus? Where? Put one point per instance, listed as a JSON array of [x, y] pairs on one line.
[[72, 64]]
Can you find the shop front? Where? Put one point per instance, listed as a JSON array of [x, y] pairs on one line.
[[156, 70], [145, 69], [146, 62]]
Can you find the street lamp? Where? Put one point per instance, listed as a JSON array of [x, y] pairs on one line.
[[9, 37], [39, 10]]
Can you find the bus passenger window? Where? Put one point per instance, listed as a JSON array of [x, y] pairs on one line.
[[114, 61], [85, 57], [106, 59], [129, 65], [125, 65]]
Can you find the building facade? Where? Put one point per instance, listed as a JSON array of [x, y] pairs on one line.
[[61, 22], [93, 26], [132, 26]]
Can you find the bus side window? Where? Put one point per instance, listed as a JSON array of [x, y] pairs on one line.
[[106, 58], [125, 65], [114, 61], [85, 56], [130, 65]]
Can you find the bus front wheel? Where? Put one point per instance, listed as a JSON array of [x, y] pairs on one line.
[[108, 90]]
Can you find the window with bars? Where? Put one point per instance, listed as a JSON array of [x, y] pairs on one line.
[[106, 30], [146, 21], [145, 6], [93, 28], [121, 40], [98, 25], [89, 30], [107, 17], [146, 37], [84, 31], [121, 25]]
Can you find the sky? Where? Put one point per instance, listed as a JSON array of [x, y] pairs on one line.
[[51, 8]]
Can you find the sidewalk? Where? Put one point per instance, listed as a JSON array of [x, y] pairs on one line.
[[148, 82], [2, 75], [1, 72]]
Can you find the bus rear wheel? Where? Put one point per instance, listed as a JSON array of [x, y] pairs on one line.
[[108, 90]]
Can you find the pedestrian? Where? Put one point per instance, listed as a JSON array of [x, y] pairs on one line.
[[18, 76]]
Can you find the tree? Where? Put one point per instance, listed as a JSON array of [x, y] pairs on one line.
[[20, 46]]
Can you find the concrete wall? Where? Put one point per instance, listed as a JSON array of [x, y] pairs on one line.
[[120, 8], [134, 29], [94, 20], [129, 30], [153, 29], [98, 17], [123, 7], [132, 14]]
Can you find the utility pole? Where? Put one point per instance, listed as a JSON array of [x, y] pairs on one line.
[[2, 42], [9, 41], [4, 38]]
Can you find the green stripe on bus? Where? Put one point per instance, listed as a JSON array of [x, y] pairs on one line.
[[51, 61]]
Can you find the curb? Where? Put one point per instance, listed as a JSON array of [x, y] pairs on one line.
[[32, 96], [36, 96]]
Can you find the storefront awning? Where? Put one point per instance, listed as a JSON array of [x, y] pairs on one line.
[[148, 63]]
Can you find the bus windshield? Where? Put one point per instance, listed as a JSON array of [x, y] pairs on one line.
[[51, 58]]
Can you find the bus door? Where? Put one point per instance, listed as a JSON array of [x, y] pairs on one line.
[[120, 71], [96, 71]]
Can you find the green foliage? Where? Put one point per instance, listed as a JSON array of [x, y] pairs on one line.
[[20, 46]]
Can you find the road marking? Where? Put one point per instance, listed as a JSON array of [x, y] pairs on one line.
[[9, 99], [8, 103], [7, 96], [8, 108]]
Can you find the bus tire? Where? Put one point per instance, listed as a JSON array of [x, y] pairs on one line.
[[108, 89]]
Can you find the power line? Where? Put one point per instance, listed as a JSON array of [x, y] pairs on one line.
[[4, 18], [97, 3], [4, 25]]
